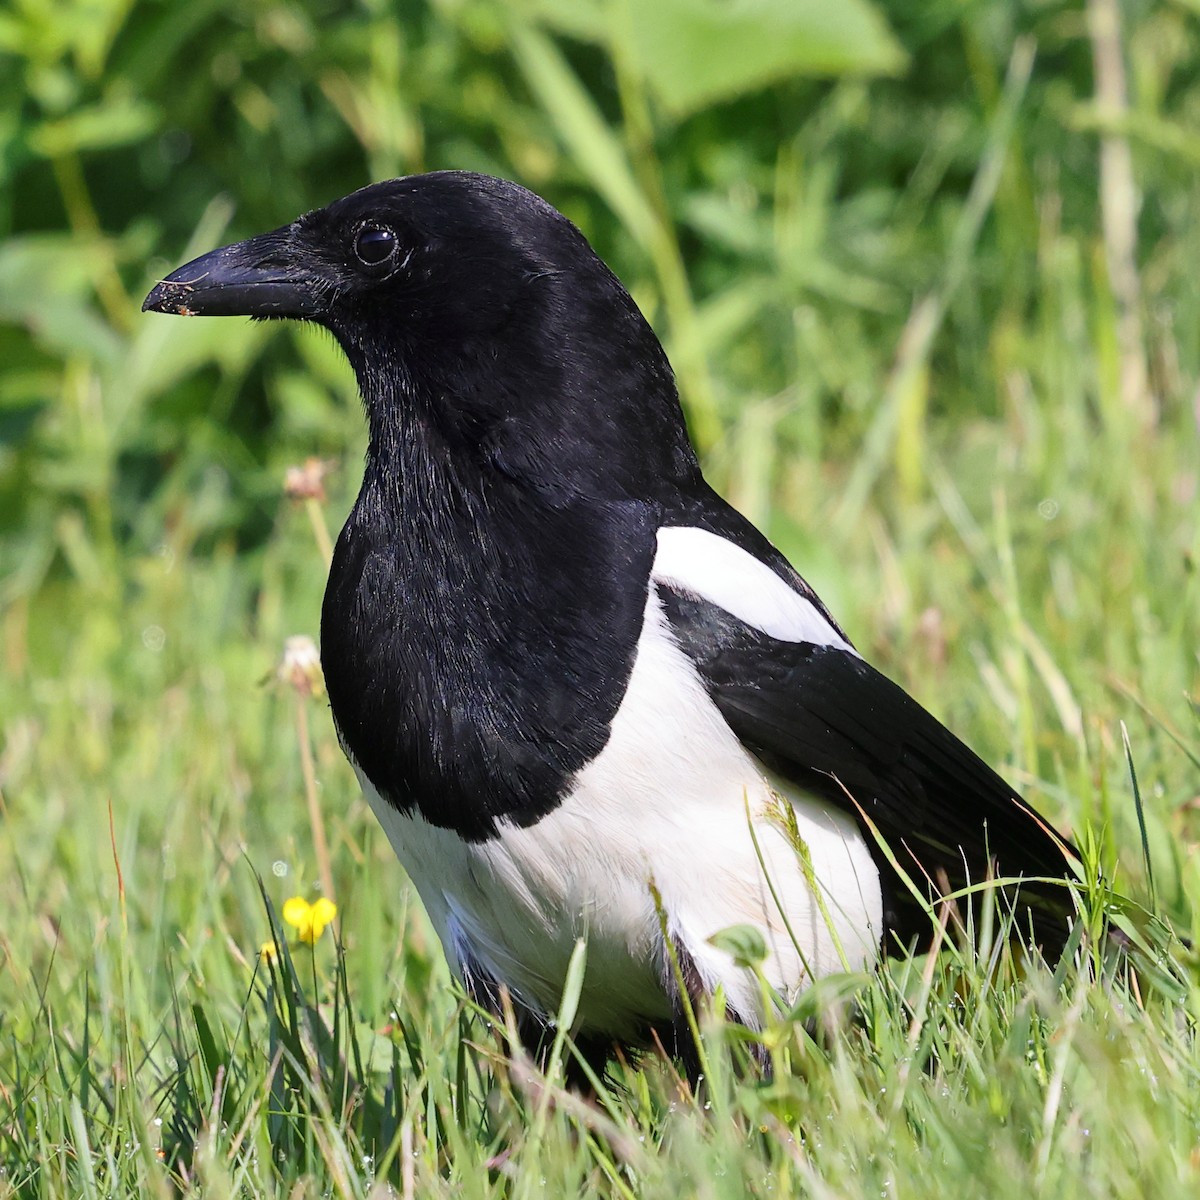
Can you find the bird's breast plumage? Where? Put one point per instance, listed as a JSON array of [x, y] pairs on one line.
[[473, 666]]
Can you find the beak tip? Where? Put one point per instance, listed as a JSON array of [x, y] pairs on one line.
[[167, 297]]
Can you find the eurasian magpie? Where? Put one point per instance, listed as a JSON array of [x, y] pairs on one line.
[[583, 695]]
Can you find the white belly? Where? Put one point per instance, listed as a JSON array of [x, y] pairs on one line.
[[667, 803]]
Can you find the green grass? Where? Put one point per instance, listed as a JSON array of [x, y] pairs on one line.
[[892, 304]]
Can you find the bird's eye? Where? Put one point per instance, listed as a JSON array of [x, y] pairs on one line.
[[375, 244]]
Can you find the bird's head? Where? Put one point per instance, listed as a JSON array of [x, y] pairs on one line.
[[473, 304]]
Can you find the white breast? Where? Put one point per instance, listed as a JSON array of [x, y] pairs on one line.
[[667, 801]]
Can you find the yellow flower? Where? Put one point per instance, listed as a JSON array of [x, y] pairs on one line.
[[309, 920], [267, 951]]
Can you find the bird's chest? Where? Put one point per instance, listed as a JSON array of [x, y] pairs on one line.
[[471, 676]]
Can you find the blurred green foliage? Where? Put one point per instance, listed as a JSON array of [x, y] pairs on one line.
[[947, 363], [774, 202]]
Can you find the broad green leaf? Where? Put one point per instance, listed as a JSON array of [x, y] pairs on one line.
[[744, 943], [694, 53]]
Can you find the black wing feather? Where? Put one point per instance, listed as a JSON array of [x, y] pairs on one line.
[[821, 716]]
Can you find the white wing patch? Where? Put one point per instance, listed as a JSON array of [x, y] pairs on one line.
[[706, 565]]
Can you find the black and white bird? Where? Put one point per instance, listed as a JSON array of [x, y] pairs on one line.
[[571, 678]]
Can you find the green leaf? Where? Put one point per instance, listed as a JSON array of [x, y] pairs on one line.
[[745, 943], [117, 121], [693, 53], [46, 286], [572, 988], [594, 146]]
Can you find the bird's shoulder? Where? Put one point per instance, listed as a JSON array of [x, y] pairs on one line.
[[706, 549]]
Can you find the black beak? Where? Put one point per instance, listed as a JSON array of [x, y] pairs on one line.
[[260, 277]]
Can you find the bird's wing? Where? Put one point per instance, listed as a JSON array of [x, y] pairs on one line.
[[797, 694]]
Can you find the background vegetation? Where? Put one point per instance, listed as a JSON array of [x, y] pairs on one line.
[[928, 274]]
